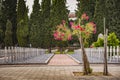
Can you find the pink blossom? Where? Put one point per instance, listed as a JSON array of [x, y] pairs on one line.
[[73, 27], [63, 21], [59, 38], [84, 16], [55, 34], [62, 34], [78, 27], [87, 17], [94, 30], [71, 23], [82, 29], [92, 24], [58, 35], [69, 37]]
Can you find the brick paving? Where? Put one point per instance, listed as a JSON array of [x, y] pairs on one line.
[[62, 59], [39, 72]]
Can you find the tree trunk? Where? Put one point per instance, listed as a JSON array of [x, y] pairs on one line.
[[49, 50], [105, 72], [86, 68]]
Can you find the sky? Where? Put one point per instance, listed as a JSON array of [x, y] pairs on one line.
[[70, 3]]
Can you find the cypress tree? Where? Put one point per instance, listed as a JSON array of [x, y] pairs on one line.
[[0, 6], [45, 28], [113, 16], [9, 12], [45, 8], [100, 12], [1, 37], [85, 6], [8, 34], [59, 12], [22, 23], [3, 21], [35, 24], [1, 29]]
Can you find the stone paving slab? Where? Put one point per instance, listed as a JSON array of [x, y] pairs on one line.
[[62, 59], [54, 73]]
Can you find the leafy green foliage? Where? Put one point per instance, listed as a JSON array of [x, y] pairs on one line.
[[8, 34], [59, 12], [46, 30], [22, 23], [99, 43], [1, 28], [0, 6], [1, 36], [113, 40], [35, 25], [113, 16], [110, 10], [22, 33], [99, 14], [86, 6], [9, 12]]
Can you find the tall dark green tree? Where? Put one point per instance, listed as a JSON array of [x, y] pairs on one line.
[[100, 11], [9, 12], [59, 12], [35, 25], [0, 6], [8, 34], [113, 16], [45, 8], [86, 6], [2, 24], [1, 30], [45, 28], [22, 23]]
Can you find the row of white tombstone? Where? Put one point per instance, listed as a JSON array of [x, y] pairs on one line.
[[96, 55], [17, 54]]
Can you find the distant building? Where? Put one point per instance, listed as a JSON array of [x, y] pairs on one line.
[[72, 16]]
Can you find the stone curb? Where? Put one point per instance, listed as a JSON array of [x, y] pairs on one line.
[[73, 58], [49, 58]]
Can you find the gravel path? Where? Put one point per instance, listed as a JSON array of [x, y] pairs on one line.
[[44, 58], [78, 58]]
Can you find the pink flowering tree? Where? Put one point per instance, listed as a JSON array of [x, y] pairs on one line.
[[82, 30]]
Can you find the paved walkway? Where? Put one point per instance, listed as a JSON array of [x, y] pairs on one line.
[[62, 59], [39, 72]]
